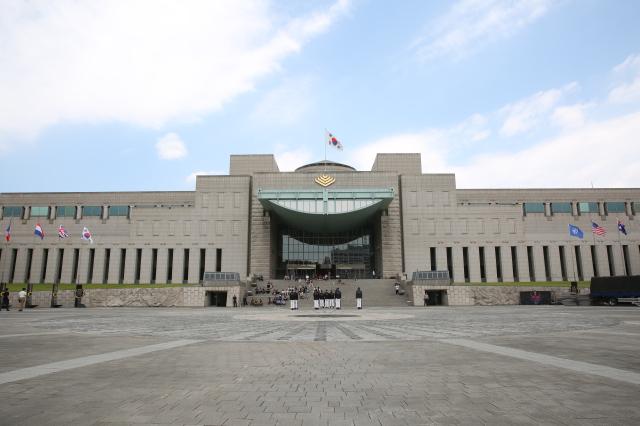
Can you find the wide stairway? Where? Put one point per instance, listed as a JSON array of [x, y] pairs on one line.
[[374, 293]]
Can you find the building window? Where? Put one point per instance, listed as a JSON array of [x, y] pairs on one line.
[[12, 211], [118, 211], [634, 207], [220, 200], [589, 207], [66, 211], [91, 211], [560, 208], [237, 196], [533, 208], [39, 211], [614, 207]]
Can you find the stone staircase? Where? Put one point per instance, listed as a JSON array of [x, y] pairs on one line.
[[374, 293]]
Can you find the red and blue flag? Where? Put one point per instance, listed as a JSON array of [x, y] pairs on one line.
[[38, 231]]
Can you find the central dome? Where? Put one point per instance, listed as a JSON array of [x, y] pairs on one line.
[[324, 165]]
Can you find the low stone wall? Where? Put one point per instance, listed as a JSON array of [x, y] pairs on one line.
[[151, 297], [484, 295]]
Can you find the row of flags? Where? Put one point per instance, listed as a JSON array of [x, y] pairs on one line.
[[596, 229], [39, 232]]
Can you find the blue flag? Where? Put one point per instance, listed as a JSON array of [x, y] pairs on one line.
[[574, 231]]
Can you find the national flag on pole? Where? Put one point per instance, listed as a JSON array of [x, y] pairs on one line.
[[333, 141], [597, 229], [7, 232], [62, 233], [574, 231], [38, 231], [86, 235], [621, 227]]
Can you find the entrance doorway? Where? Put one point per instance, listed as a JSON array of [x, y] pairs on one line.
[[437, 297], [217, 298]]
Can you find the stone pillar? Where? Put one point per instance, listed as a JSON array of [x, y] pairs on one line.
[[52, 213], [210, 259], [105, 212], [458, 264], [587, 262], [130, 266], [83, 265], [603, 260], [538, 263], [36, 265], [523, 264], [441, 258], [554, 262], [474, 264], [391, 241], [178, 265], [161, 266], [618, 258], [145, 265], [490, 266], [67, 265], [507, 264], [52, 264], [19, 275], [114, 266], [98, 266], [634, 259], [194, 265]]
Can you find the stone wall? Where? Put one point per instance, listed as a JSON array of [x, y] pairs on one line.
[[484, 295]]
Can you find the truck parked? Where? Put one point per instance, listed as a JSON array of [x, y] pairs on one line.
[[614, 290]]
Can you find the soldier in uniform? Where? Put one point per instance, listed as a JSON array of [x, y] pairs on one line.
[[338, 297], [332, 299], [359, 298], [316, 299], [5, 299]]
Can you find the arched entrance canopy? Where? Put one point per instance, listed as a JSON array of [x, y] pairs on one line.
[[325, 210]]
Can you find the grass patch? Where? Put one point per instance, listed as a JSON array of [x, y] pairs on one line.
[[47, 287], [567, 284]]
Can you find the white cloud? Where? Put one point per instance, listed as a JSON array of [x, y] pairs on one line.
[[191, 179], [626, 93], [285, 105], [143, 63], [290, 159], [171, 147], [570, 116], [470, 24], [527, 113], [627, 73]]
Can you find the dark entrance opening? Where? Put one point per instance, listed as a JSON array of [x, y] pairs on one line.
[[217, 298], [437, 297]]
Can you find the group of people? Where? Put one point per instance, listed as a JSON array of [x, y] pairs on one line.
[[327, 298], [22, 299]]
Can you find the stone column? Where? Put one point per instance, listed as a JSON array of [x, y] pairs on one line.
[[474, 264], [98, 266], [36, 265], [490, 266], [52, 264], [210, 259], [538, 263], [19, 275], [554, 262], [145, 265], [602, 259], [634, 259], [67, 265], [114, 266], [161, 266], [587, 262], [52, 213], [507, 264], [178, 265], [130, 266], [83, 265], [194, 265], [458, 264], [523, 264], [618, 258]]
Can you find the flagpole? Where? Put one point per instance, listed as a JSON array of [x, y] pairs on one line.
[[325, 149]]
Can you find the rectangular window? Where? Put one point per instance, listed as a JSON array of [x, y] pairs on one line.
[[635, 208], [547, 266], [12, 211], [118, 211], [428, 198], [185, 266], [413, 198], [12, 269], [563, 264], [203, 227], [579, 263], [187, 227], [560, 208], [625, 257], [450, 261], [588, 207], [155, 228], [483, 271], [205, 200], [432, 256], [532, 269], [170, 266], [237, 199], [220, 200], [91, 211], [58, 276], [465, 261], [414, 226], [235, 229], [533, 208], [499, 264], [74, 268], [43, 268], [614, 207], [172, 227], [105, 270], [154, 264], [123, 260], [219, 260], [220, 227], [514, 263], [27, 271], [136, 276], [594, 261], [39, 211], [92, 257], [203, 256], [66, 211], [139, 227], [612, 267]]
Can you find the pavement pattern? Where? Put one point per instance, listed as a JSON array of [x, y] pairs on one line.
[[484, 365]]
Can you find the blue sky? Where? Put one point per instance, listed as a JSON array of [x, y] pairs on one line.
[[100, 96]]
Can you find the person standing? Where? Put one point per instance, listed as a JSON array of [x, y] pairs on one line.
[[22, 298], [5, 299], [426, 298], [397, 287], [316, 299], [235, 301], [359, 298], [338, 297], [295, 296]]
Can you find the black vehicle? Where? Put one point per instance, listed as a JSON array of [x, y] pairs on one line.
[[614, 290]]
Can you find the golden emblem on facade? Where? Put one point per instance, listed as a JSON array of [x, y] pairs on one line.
[[325, 180]]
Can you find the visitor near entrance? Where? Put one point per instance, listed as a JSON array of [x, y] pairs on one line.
[[235, 301], [397, 287], [359, 298], [426, 298], [338, 297]]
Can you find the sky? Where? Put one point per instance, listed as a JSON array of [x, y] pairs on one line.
[[145, 95]]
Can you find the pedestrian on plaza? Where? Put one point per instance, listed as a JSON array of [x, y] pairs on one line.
[[321, 296], [426, 298], [338, 297], [22, 298], [316, 299], [373, 274], [5, 299], [359, 298], [397, 286], [235, 301]]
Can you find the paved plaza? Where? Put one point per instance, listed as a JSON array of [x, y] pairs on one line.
[[496, 365]]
